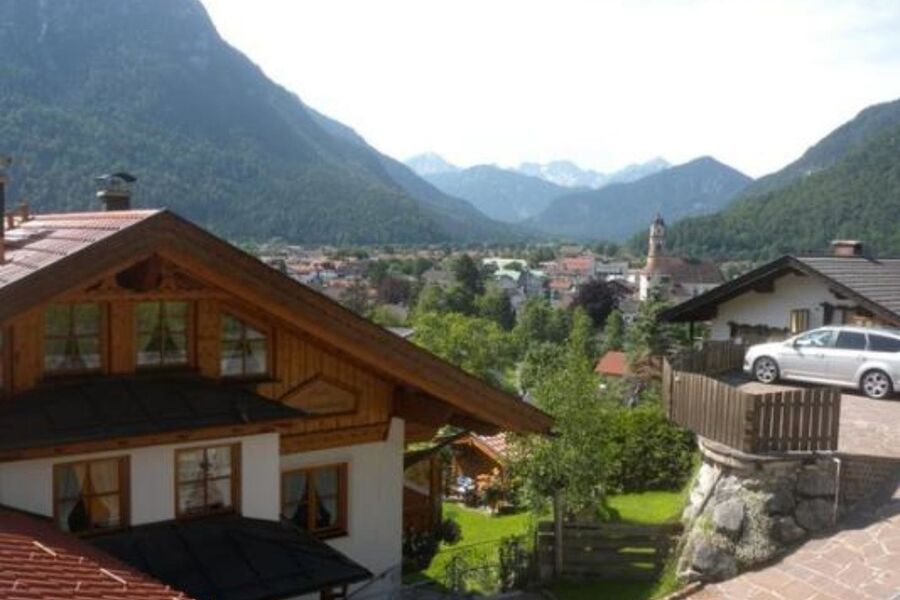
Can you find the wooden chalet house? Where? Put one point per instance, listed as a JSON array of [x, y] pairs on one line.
[[200, 419]]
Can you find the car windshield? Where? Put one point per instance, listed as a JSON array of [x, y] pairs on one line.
[[815, 339]]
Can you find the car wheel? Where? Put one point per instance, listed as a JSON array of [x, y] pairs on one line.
[[876, 384], [765, 369]]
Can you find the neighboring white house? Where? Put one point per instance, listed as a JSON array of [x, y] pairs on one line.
[[793, 294]]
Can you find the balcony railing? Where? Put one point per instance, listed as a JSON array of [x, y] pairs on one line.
[[787, 420]]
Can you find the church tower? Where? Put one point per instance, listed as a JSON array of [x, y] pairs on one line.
[[657, 238]]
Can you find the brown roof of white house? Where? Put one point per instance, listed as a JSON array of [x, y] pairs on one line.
[[874, 283]]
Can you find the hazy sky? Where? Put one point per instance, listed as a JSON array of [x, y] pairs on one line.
[[601, 83]]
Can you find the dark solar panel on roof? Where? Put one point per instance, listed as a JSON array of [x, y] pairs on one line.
[[233, 558], [103, 409]]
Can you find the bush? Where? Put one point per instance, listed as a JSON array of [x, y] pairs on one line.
[[419, 547], [449, 532], [649, 453]]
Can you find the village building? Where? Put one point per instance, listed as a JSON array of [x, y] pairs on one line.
[[795, 293], [613, 364], [205, 420], [611, 270], [673, 277]]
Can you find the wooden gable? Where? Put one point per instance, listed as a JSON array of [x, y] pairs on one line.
[[321, 354]]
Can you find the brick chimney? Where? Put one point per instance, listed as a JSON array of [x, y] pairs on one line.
[[115, 190], [4, 164], [847, 248]]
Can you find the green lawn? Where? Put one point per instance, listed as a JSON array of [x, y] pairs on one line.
[[478, 529], [646, 508]]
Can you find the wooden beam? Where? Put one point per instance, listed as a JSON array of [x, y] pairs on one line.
[[472, 424], [416, 407], [416, 432], [334, 438], [158, 439]]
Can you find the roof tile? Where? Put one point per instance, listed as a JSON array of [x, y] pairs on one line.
[[37, 562], [44, 239]]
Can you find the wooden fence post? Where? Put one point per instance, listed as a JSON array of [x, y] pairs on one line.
[[557, 533]]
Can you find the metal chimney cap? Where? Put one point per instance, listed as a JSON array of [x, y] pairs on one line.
[[116, 182]]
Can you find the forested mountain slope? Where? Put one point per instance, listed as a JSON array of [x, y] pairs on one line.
[[151, 88]]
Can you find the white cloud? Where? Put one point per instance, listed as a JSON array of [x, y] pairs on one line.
[[602, 83]]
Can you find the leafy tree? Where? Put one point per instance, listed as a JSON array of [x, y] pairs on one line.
[[598, 298], [541, 360], [432, 299], [601, 447], [539, 322], [394, 290], [377, 271], [541, 254], [494, 305], [384, 316], [460, 300], [576, 459], [607, 248], [476, 345], [582, 339], [356, 297], [468, 275], [648, 339], [614, 332]]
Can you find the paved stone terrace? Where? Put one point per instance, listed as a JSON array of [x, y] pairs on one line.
[[861, 563]]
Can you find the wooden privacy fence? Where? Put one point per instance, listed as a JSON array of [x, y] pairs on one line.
[[711, 359], [794, 420], [606, 551]]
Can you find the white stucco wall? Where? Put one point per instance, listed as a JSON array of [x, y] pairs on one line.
[[374, 478], [773, 309], [374, 505], [28, 484]]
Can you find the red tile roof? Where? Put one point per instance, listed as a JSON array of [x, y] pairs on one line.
[[38, 562], [494, 446], [497, 443], [42, 240], [613, 363]]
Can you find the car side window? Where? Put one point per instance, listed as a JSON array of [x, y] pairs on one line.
[[880, 343], [850, 340], [815, 339]]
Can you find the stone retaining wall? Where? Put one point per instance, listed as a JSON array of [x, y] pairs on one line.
[[745, 510]]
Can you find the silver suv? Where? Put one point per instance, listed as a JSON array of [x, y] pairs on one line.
[[855, 357]]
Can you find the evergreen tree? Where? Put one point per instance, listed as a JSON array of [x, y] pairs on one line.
[[614, 332]]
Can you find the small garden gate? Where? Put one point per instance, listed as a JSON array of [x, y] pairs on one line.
[[606, 551]]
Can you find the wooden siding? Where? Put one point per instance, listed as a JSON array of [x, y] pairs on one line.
[[294, 358]]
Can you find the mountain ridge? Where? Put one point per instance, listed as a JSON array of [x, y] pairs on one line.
[[617, 211], [152, 88], [856, 196]]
